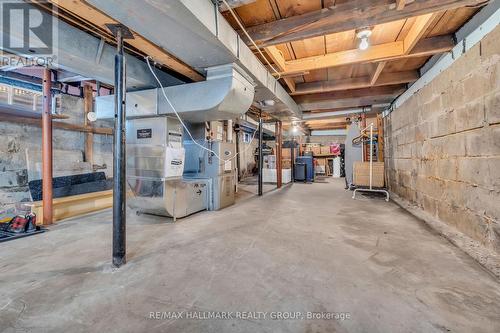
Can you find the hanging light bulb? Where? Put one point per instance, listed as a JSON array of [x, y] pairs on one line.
[[363, 35], [364, 44]]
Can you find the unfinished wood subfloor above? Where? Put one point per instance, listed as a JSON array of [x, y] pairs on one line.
[[315, 44]]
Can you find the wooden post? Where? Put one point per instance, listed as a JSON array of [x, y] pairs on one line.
[[89, 136], [279, 147], [47, 147]]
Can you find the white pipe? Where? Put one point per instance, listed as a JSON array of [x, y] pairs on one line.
[[367, 127], [229, 130], [371, 150]]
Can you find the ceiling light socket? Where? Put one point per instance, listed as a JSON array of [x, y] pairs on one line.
[[267, 103], [363, 33]]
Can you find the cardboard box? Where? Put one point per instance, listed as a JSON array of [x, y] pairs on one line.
[[269, 176], [325, 150], [320, 161], [362, 174], [316, 150], [286, 153], [320, 165], [321, 169], [286, 164], [270, 158]]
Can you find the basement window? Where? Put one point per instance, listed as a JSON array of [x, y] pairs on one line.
[[247, 138], [23, 98], [4, 94]]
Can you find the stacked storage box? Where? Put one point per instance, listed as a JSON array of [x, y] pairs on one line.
[[270, 162], [286, 154], [325, 150], [269, 176], [320, 166]]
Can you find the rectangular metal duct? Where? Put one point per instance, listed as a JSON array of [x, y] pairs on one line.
[[196, 32], [227, 93], [78, 52]]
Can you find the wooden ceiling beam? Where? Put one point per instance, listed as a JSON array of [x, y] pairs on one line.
[[279, 61], [88, 13], [348, 103], [376, 74], [356, 83], [346, 16], [328, 127], [416, 31], [381, 52], [355, 93], [400, 4], [325, 121], [411, 39]]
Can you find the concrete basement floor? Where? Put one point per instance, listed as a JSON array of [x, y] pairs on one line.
[[308, 247]]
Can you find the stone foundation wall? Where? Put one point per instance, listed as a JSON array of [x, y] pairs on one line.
[[20, 153], [442, 149]]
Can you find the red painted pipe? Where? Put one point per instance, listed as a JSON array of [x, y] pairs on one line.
[[279, 146], [47, 148]]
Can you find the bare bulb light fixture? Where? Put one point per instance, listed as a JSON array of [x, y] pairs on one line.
[[364, 35], [267, 103]]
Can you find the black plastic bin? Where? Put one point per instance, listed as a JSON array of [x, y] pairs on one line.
[[300, 172]]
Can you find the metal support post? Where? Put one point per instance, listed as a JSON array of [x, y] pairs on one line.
[[261, 154], [47, 148], [238, 159], [279, 144], [119, 158], [292, 156]]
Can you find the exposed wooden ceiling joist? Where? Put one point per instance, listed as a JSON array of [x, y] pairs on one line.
[[347, 16], [279, 61], [393, 90], [416, 32], [381, 52], [348, 103], [88, 13], [328, 126], [411, 39], [356, 83], [400, 4], [337, 120], [376, 74]]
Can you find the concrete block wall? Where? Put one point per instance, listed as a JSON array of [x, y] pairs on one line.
[[20, 153], [442, 146]]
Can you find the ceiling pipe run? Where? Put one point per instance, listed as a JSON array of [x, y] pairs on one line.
[[328, 115]]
